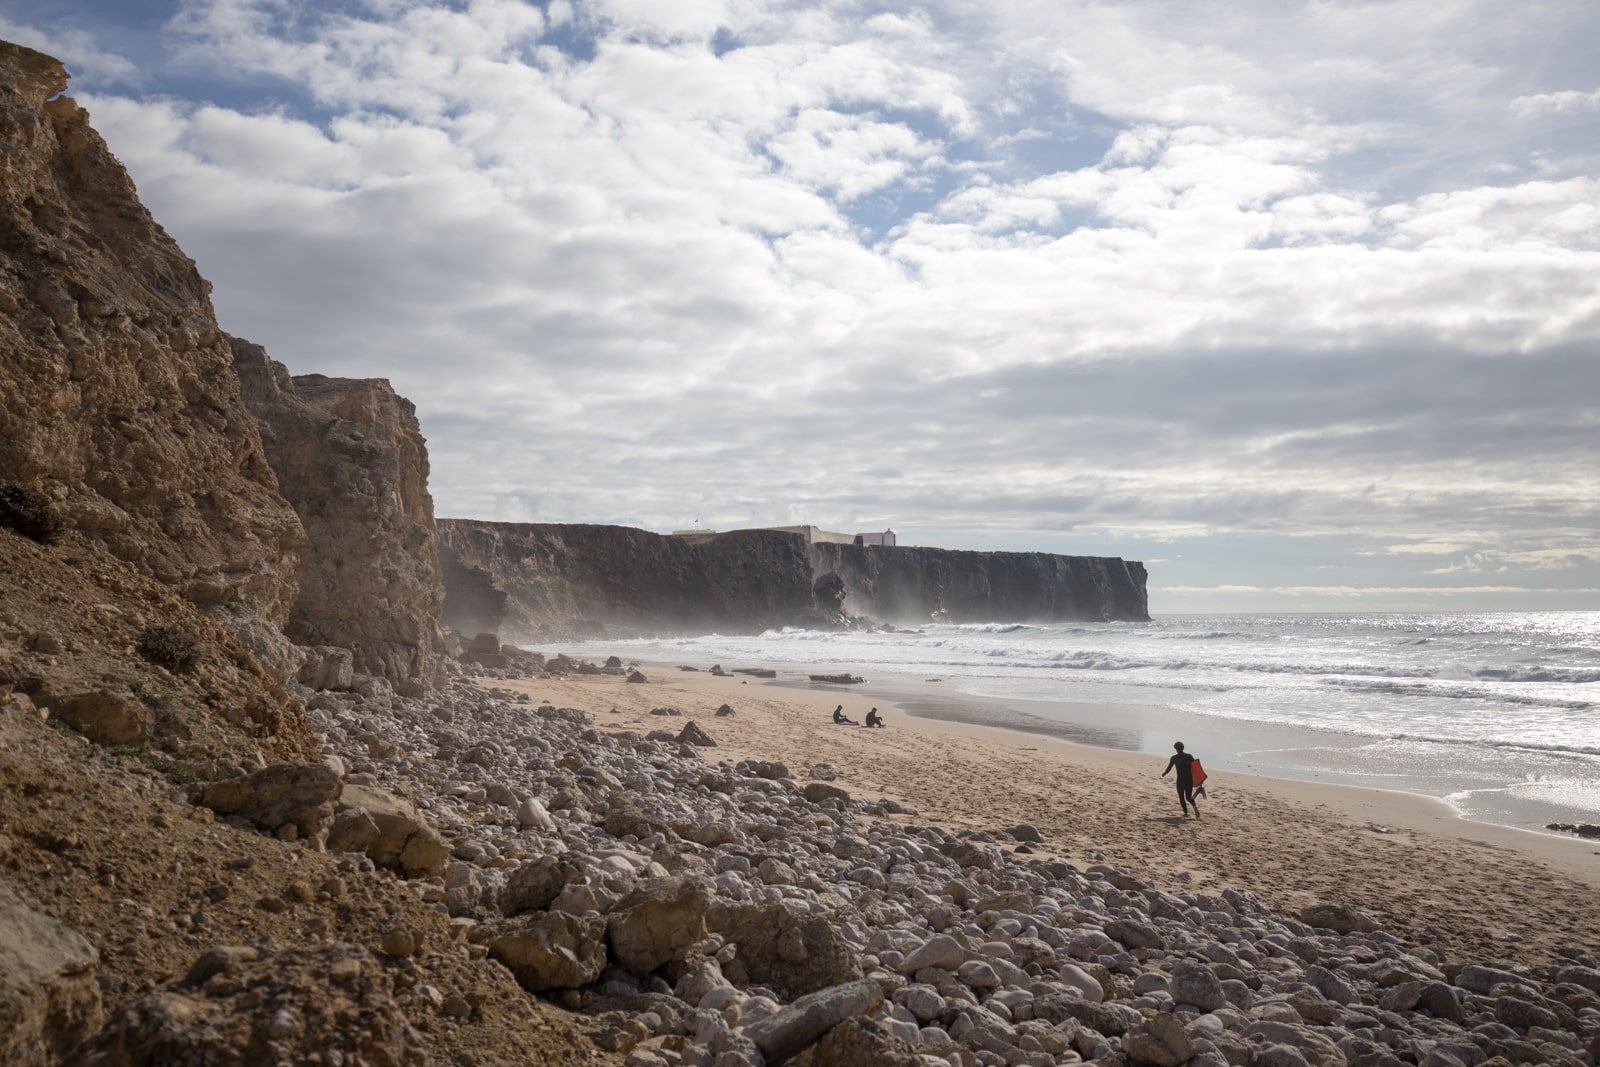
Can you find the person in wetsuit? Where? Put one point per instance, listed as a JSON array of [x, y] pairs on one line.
[[1183, 763], [839, 717], [873, 718]]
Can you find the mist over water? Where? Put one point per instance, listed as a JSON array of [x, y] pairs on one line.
[[1497, 712]]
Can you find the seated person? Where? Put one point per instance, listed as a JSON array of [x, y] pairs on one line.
[[874, 719], [839, 717]]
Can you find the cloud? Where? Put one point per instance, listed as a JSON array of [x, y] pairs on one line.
[[1062, 272], [1566, 102]]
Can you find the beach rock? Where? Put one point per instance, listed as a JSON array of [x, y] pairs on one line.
[[300, 795], [531, 814], [637, 678], [1521, 1014], [535, 884], [817, 792], [1081, 982], [778, 947], [1135, 934], [1317, 1050], [858, 1041], [1160, 1040], [387, 830], [1477, 978], [798, 1026], [657, 923], [49, 999], [1026, 832], [1441, 1001], [694, 734], [1197, 984], [556, 950], [942, 951], [726, 712], [1339, 918]]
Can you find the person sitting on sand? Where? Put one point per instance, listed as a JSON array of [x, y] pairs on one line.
[[839, 717], [874, 719], [1185, 767]]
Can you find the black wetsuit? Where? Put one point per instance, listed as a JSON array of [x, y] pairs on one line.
[[1183, 763]]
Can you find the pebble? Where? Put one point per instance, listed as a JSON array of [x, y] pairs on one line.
[[815, 910]]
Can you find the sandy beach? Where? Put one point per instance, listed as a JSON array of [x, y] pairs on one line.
[[1468, 888]]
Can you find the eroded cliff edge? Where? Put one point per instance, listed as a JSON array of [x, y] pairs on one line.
[[350, 457], [554, 581]]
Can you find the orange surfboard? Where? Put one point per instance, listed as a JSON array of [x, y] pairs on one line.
[[1197, 773]]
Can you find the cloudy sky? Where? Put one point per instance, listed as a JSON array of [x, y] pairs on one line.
[[1299, 302]]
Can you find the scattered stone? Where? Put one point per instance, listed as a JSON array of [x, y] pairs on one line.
[[49, 999]]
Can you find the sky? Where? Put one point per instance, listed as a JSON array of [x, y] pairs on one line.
[[1297, 302]]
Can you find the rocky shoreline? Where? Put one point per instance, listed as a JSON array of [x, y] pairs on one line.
[[723, 914]]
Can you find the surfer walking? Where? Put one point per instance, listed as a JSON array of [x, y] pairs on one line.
[[1183, 763]]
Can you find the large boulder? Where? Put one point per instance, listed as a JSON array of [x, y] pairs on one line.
[[532, 886], [556, 950], [657, 923], [783, 1033], [289, 799], [49, 999], [106, 718], [792, 953], [387, 830]]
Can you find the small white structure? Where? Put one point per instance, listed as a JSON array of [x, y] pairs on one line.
[[881, 540]]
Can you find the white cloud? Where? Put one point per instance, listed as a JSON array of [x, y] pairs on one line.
[[1064, 270], [1566, 102]]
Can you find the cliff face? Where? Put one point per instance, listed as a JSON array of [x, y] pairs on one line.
[[547, 581], [909, 585], [562, 581], [120, 402], [117, 394], [351, 459]]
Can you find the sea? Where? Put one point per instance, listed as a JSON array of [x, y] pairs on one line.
[[1497, 713]]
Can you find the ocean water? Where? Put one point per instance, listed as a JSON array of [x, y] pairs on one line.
[[1498, 713]]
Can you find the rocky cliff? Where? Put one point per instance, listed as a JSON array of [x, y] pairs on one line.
[[117, 394], [564, 581], [128, 452], [351, 459], [907, 585]]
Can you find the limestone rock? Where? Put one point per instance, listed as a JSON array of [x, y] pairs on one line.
[[532, 886], [694, 734], [106, 718], [1160, 1041], [657, 923], [350, 457], [328, 667], [1195, 983], [49, 999], [786, 1032], [817, 792], [779, 947], [301, 795], [389, 831], [1339, 918], [556, 950], [120, 399]]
